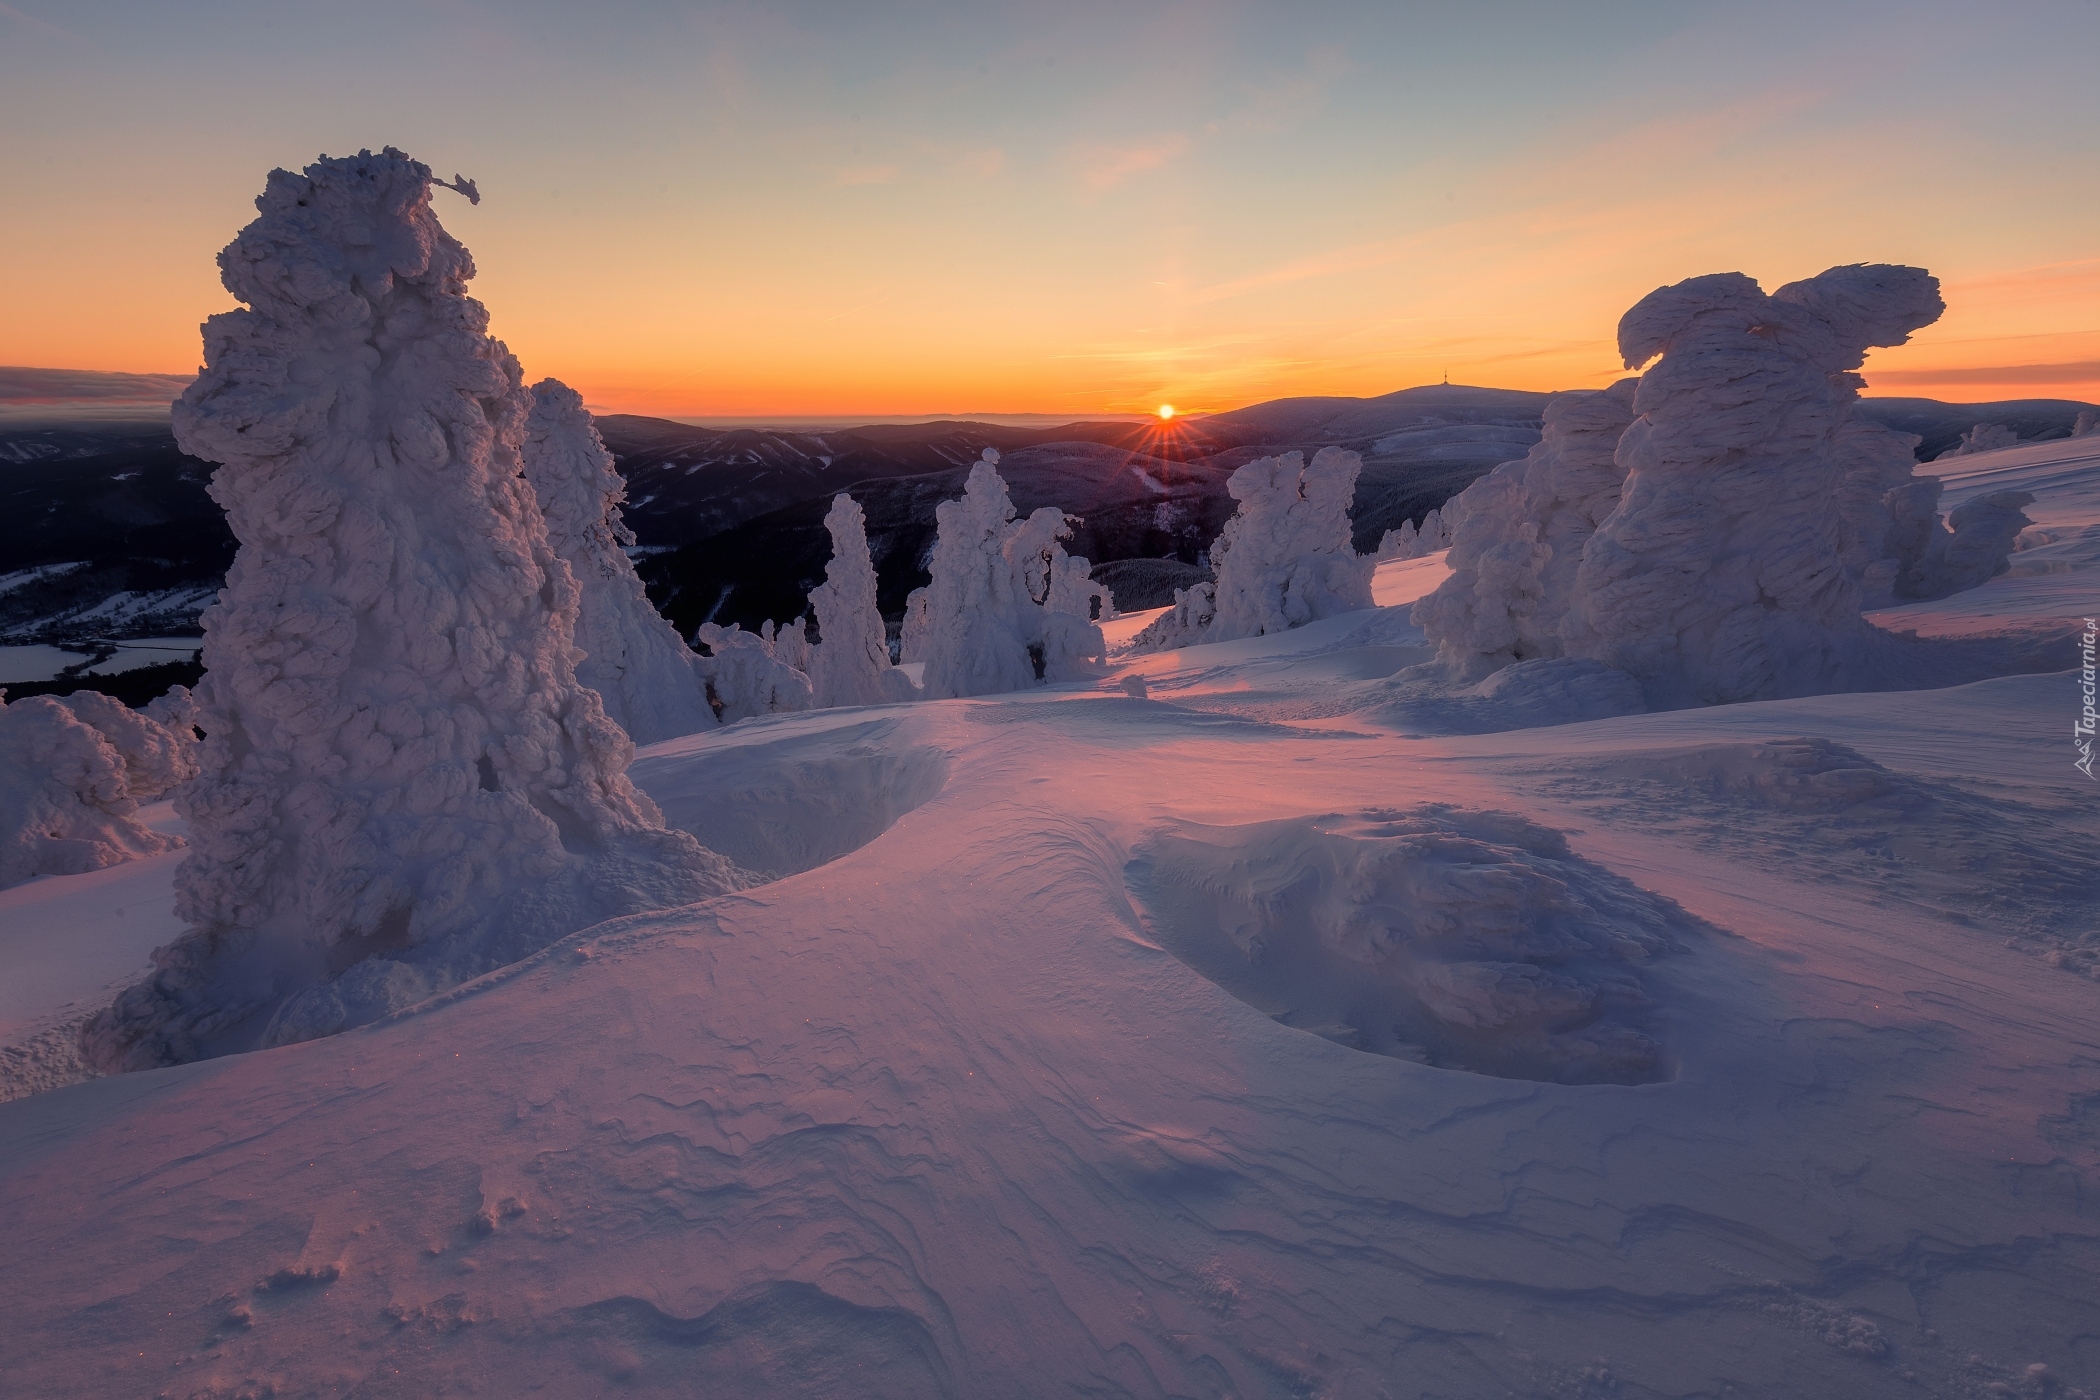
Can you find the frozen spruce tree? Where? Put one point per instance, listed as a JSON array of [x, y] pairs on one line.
[[1284, 558], [632, 657], [850, 664], [1721, 575], [975, 636], [746, 676], [73, 772], [403, 782], [991, 619], [1519, 544]]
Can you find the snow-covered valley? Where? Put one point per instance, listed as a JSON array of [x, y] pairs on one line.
[[962, 1102]]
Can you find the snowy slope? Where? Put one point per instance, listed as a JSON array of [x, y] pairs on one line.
[[939, 1113]]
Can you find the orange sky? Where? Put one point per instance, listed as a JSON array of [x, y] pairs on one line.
[[731, 212]]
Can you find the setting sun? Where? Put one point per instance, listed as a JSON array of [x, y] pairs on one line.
[[1166, 410]]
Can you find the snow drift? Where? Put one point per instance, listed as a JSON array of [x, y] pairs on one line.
[[1465, 939], [73, 771], [632, 657], [403, 782]]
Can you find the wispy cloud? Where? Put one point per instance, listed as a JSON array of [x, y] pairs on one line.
[[42, 26], [1103, 167], [2069, 372]]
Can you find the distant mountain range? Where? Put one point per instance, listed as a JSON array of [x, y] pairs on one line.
[[107, 532]]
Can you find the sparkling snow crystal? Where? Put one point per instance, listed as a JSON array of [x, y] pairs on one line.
[[404, 784]]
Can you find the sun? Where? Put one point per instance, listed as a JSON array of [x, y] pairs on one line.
[[1166, 411]]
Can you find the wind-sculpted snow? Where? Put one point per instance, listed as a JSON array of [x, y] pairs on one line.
[[1462, 939], [850, 665], [781, 803], [990, 619], [403, 783], [1514, 563], [1824, 807], [73, 772], [1720, 577], [633, 658]]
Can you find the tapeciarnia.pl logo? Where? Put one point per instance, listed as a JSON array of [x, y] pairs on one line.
[[2082, 731]]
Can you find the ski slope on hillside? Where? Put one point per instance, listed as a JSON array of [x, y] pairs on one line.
[[1023, 1079]]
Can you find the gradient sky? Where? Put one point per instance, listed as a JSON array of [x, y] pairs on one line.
[[746, 209]]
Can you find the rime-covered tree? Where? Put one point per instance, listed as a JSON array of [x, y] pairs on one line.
[[403, 782], [850, 665], [73, 772], [632, 657]]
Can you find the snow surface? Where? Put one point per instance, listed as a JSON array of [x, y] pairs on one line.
[[972, 1102]]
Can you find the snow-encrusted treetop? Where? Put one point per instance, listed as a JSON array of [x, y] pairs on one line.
[[633, 658], [402, 776]]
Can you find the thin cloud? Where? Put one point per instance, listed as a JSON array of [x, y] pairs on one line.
[[2069, 372], [1102, 168], [42, 26]]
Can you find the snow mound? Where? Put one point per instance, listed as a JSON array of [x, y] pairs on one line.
[[1470, 940], [633, 658], [403, 783], [1956, 850], [73, 772], [782, 805]]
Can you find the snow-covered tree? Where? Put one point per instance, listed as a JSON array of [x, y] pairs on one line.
[[850, 664], [991, 618], [1515, 559], [73, 772], [746, 677], [1721, 575], [632, 657], [1283, 560], [1984, 437], [404, 784]]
